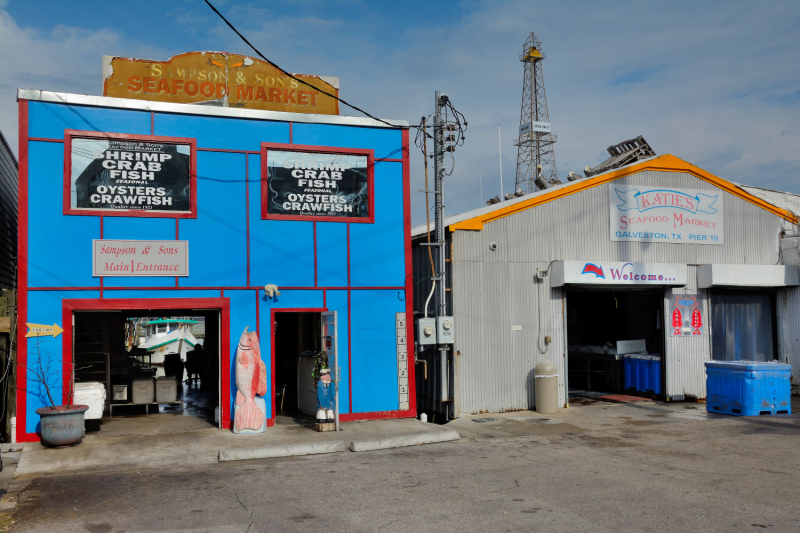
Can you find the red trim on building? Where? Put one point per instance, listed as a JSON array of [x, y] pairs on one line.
[[349, 330], [69, 210], [315, 253], [22, 278], [258, 315], [216, 287], [376, 415], [349, 351], [44, 139], [247, 210], [271, 420], [69, 306], [101, 237], [370, 154], [228, 151], [411, 357]]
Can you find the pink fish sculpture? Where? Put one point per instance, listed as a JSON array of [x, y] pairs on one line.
[[251, 379]]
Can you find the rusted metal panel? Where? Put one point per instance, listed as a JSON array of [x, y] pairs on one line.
[[233, 80]]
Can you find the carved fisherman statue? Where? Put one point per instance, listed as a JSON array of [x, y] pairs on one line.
[[325, 398]]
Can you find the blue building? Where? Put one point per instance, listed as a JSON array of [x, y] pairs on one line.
[[133, 208]]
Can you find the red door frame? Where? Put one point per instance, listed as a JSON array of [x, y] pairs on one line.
[[222, 305]]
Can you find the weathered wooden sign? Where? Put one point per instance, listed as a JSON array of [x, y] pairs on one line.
[[233, 80], [139, 258], [41, 330]]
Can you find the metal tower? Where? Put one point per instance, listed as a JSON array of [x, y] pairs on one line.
[[535, 142]]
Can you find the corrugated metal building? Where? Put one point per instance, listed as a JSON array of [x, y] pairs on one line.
[[533, 278], [8, 214]]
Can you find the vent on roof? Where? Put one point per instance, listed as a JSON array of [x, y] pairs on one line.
[[622, 154]]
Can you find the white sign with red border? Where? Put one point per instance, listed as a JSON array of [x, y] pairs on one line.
[[140, 258]]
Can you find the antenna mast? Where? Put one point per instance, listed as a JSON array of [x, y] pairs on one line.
[[536, 159]]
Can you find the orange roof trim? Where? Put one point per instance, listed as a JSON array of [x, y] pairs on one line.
[[666, 163]]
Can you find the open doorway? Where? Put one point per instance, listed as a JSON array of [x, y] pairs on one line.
[[613, 336], [160, 369], [297, 344]]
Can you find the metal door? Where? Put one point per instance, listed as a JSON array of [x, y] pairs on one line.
[[330, 343]]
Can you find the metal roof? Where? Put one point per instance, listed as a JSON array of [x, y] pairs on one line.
[[193, 109], [476, 218]]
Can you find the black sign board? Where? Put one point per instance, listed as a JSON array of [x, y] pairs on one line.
[[109, 174], [312, 185]]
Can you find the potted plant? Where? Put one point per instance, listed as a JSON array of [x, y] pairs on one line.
[[61, 425]]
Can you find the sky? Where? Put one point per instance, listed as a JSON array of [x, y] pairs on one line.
[[714, 83]]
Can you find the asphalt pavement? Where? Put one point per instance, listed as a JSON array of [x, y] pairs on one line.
[[594, 468]]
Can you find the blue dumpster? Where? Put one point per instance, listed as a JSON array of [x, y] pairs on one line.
[[643, 373], [748, 388]]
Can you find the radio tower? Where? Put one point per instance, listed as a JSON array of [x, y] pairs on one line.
[[536, 159]]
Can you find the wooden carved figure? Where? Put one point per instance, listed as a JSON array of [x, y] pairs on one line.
[[250, 412]]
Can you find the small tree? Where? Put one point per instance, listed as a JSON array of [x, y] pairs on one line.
[[44, 375]]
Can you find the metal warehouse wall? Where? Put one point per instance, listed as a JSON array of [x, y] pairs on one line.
[[8, 214], [494, 290], [356, 269], [789, 330], [686, 356]]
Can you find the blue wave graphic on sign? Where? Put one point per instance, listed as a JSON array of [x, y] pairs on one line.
[[644, 201]]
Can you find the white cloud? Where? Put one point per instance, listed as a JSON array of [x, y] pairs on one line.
[[66, 59], [716, 84]]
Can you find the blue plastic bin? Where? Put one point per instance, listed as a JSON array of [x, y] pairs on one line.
[[748, 388], [643, 373]]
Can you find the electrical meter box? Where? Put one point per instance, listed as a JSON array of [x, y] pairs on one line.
[[445, 331], [426, 331]]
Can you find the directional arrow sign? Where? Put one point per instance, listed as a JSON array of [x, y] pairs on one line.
[[40, 330]]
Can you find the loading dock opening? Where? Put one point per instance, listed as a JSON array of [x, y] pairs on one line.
[[107, 348], [597, 319], [162, 307]]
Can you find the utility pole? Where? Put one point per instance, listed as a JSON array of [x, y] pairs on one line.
[[500, 148], [441, 294]]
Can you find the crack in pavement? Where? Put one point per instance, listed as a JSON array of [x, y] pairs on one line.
[[248, 511]]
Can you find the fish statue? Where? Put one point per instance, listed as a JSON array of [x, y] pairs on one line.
[[250, 413]]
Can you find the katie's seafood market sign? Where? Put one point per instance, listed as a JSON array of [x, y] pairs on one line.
[[680, 216]]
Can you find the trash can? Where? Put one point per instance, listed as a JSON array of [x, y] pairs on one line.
[[545, 388]]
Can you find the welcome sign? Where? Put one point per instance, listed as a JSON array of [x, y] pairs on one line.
[[654, 214]]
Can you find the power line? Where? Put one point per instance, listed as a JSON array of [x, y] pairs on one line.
[[293, 77]]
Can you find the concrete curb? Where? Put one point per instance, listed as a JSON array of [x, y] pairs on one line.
[[405, 440], [284, 450]]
